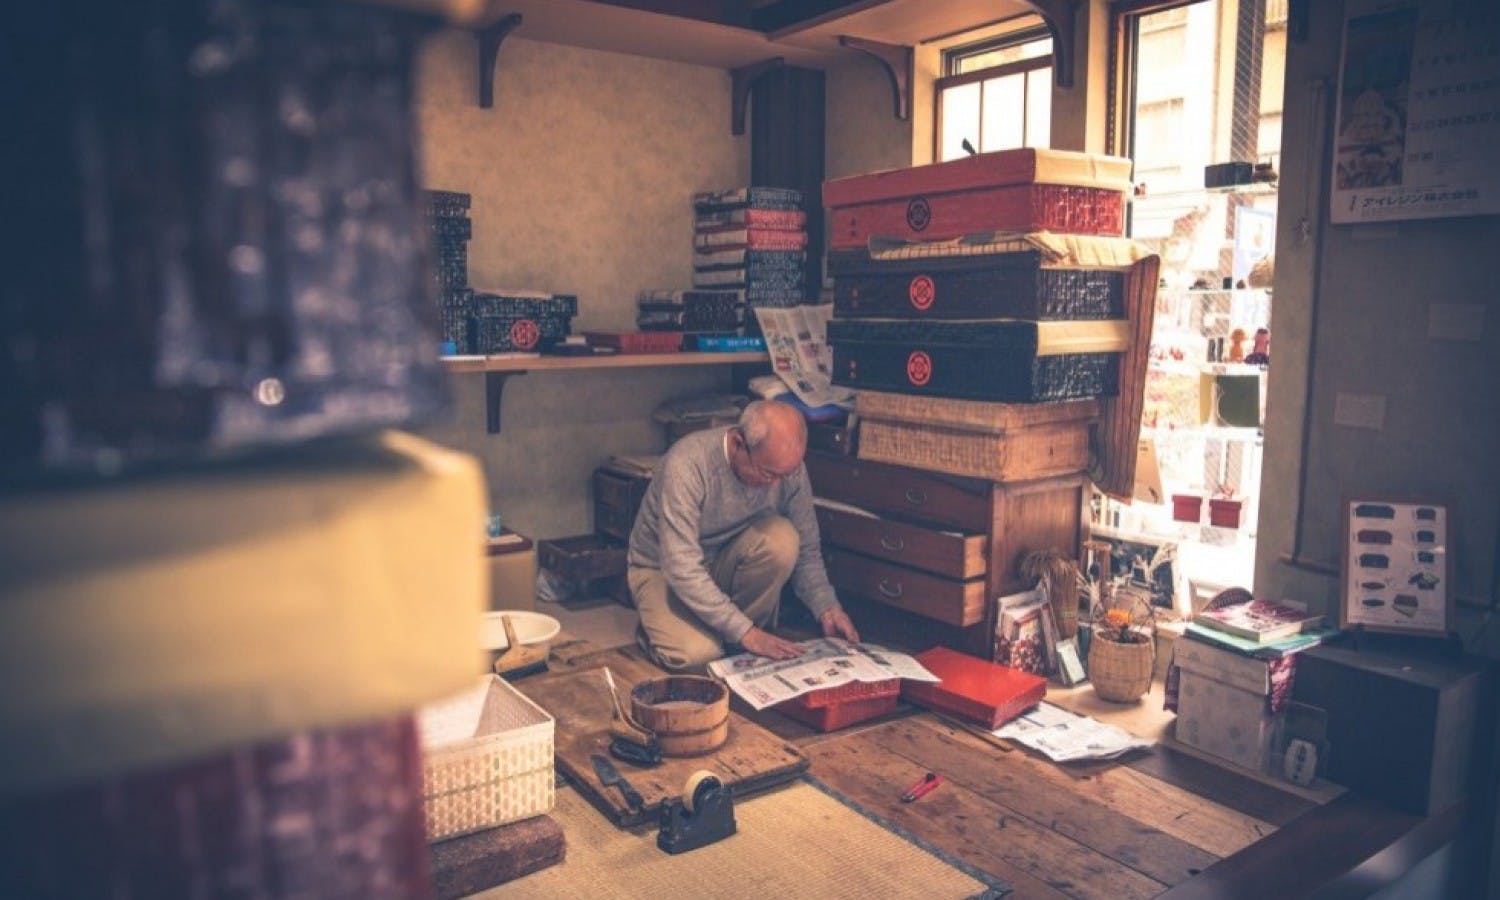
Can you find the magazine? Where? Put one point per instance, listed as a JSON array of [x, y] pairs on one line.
[[1259, 620]]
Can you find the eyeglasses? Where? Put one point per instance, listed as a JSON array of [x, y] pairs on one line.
[[759, 470]]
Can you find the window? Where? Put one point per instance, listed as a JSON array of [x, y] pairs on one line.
[[1200, 84], [996, 96]]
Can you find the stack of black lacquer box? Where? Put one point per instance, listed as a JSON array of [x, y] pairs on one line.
[[751, 240], [450, 226]]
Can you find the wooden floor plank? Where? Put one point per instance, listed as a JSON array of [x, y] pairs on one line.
[[1249, 796], [1068, 808], [978, 829], [1192, 817]]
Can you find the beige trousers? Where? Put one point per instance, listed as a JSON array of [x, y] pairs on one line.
[[751, 569]]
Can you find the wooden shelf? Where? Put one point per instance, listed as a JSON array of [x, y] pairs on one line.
[[520, 364], [497, 369]]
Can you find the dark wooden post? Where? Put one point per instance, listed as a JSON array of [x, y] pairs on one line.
[[787, 147]]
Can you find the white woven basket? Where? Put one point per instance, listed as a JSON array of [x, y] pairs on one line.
[[487, 760]]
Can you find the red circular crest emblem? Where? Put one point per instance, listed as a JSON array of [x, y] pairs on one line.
[[524, 334], [918, 368], [921, 292]]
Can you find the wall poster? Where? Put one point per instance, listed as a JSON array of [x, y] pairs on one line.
[[1418, 111], [1397, 567]]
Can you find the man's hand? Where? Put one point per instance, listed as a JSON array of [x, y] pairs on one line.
[[836, 623], [764, 643]]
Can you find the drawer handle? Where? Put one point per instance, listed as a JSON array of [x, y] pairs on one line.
[[916, 496], [895, 545], [885, 588]]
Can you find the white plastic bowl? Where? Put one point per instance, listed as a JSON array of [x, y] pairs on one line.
[[531, 628]]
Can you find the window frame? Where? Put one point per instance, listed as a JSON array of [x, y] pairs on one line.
[[949, 79]]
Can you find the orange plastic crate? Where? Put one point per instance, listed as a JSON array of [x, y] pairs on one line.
[[839, 707]]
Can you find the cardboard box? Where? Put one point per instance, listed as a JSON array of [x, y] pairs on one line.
[[513, 577], [1226, 721], [1234, 669]]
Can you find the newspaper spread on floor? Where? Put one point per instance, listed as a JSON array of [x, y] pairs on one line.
[[824, 663], [1064, 737]]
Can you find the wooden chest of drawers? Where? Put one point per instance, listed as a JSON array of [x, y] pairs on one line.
[[617, 498], [927, 568]]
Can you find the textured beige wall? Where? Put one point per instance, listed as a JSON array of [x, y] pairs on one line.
[[863, 133], [582, 175]]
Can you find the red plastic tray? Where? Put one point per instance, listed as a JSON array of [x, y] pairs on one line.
[[839, 707]]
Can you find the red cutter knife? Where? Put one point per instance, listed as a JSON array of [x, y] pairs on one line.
[[925, 785]]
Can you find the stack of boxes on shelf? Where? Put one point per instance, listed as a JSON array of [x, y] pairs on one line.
[[980, 310], [696, 319], [752, 241], [448, 221], [486, 322], [749, 250]]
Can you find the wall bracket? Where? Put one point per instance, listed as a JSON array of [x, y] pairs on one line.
[[490, 38], [494, 389], [742, 79], [897, 60], [1061, 18]]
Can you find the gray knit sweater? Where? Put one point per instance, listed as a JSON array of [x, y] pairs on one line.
[[695, 506]]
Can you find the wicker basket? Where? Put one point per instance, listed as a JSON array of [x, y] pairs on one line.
[[1039, 452], [487, 760], [980, 416], [1121, 673]]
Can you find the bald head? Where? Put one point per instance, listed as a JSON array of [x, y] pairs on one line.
[[771, 439], [775, 422]]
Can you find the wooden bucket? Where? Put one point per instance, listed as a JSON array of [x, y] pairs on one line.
[[688, 713]]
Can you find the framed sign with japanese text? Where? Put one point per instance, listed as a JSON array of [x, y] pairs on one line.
[[1418, 111], [1398, 567]]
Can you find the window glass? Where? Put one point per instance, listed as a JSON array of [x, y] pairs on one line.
[[974, 61], [996, 95], [960, 119], [1003, 118], [1039, 107]]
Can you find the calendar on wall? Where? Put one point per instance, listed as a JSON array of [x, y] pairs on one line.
[[1418, 111]]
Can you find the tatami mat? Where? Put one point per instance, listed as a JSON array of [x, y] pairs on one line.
[[795, 841]]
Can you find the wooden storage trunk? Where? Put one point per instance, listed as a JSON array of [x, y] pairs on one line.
[[1013, 190], [583, 557], [1006, 361], [921, 284], [617, 499]]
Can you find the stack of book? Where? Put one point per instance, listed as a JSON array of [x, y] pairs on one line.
[[751, 240], [1233, 671], [447, 214]]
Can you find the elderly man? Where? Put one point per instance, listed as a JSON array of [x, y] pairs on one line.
[[728, 519]]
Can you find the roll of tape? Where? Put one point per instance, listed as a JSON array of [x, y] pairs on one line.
[[690, 787]]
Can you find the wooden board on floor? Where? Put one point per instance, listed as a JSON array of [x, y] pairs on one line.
[[751, 759], [1113, 832]]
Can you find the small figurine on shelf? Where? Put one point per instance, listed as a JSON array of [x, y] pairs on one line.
[[1237, 345], [1260, 351]]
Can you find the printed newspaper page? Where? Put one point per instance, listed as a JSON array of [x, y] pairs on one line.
[[824, 663], [1064, 736], [797, 341]]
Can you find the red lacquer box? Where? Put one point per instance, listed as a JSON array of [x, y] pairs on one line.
[[1028, 189], [974, 689]]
